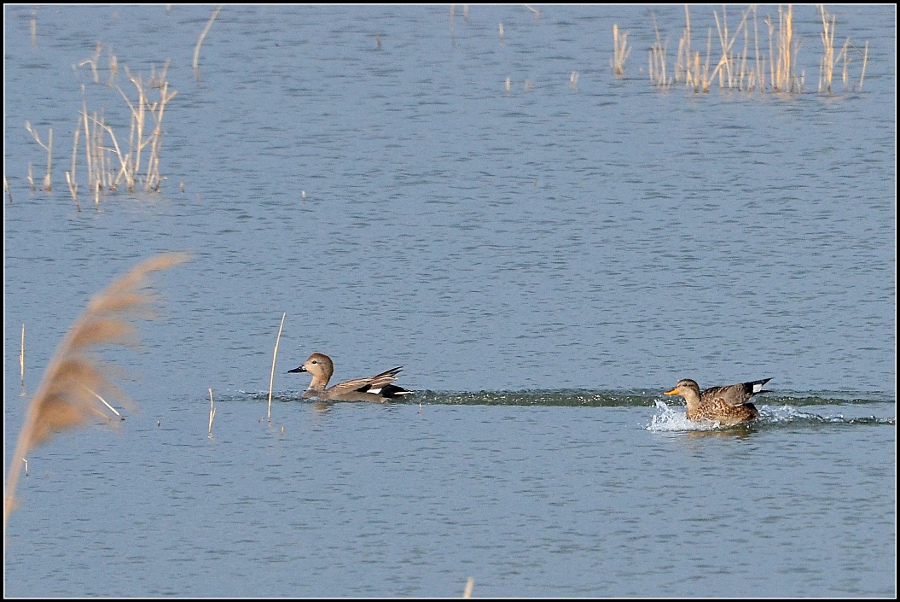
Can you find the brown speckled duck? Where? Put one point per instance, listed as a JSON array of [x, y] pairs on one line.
[[378, 388], [728, 405]]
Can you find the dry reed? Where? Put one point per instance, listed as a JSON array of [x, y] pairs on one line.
[[274, 357], [70, 175], [657, 61], [113, 68], [92, 62], [200, 41], [34, 28], [75, 375], [212, 412], [470, 584], [106, 403], [47, 147], [22, 361], [745, 68], [621, 50], [730, 75], [683, 58], [759, 73], [862, 73], [98, 155], [826, 65], [830, 59], [782, 53]]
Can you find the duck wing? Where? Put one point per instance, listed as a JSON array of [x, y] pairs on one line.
[[734, 395], [368, 384]]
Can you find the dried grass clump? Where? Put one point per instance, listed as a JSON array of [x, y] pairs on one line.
[[621, 50], [66, 397], [742, 65]]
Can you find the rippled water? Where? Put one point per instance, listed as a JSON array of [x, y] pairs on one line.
[[543, 261]]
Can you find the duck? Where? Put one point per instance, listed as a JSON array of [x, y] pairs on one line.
[[378, 388], [728, 405]]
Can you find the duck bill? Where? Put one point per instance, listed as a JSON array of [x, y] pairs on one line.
[[672, 392], [297, 369]]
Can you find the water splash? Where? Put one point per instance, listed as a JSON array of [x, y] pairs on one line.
[[675, 419], [669, 419]]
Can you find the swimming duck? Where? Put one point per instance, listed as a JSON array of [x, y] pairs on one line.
[[373, 388], [728, 405]]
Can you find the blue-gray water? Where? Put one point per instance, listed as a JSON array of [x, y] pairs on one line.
[[543, 261]]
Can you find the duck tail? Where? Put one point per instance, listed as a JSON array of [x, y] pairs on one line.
[[757, 386]]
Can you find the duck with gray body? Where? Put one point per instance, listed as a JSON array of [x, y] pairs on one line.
[[378, 388]]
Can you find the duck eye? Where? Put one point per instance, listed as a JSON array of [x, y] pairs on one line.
[[315, 361]]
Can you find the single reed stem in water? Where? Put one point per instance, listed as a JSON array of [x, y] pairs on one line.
[[106, 403], [274, 357], [212, 411], [470, 584], [92, 62], [865, 62], [70, 175], [200, 41], [49, 148], [22, 360], [683, 60]]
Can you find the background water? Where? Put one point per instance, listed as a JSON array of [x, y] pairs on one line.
[[543, 261]]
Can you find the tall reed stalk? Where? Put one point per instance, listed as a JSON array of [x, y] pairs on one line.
[[683, 58], [862, 73], [212, 412], [75, 377], [47, 147], [732, 72], [830, 59], [274, 358], [470, 585], [70, 175], [826, 65], [22, 361], [200, 41], [782, 51], [657, 61], [621, 50]]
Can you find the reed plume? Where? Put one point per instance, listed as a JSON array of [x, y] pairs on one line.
[[76, 377]]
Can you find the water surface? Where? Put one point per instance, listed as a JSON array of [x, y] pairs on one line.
[[543, 261]]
